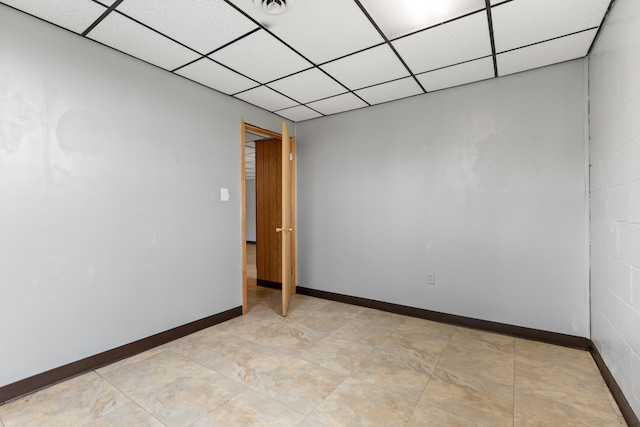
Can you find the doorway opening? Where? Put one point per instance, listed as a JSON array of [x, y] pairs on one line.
[[268, 213]]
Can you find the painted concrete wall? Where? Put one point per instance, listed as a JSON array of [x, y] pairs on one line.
[[111, 224], [614, 90], [250, 192], [483, 185]]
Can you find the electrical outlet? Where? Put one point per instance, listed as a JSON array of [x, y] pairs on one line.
[[431, 278]]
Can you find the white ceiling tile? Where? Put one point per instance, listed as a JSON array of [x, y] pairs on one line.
[[203, 25], [308, 86], [338, 104], [321, 30], [541, 54], [216, 76], [127, 36], [457, 75], [458, 41], [494, 2], [299, 113], [266, 98], [74, 15], [400, 17], [372, 66], [522, 22], [261, 57], [390, 91]]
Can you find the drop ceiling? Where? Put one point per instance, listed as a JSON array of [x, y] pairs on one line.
[[325, 57]]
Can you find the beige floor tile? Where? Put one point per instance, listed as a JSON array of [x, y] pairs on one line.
[[336, 354], [204, 346], [401, 369], [356, 403], [532, 409], [251, 363], [427, 415], [310, 422], [291, 335], [481, 340], [363, 333], [144, 376], [580, 391], [248, 409], [130, 415], [130, 360], [381, 318], [482, 400], [300, 385], [185, 400], [70, 403], [491, 365]]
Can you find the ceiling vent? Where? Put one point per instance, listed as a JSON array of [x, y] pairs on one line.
[[274, 7]]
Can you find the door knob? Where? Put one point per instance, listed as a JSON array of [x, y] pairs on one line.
[[283, 230]]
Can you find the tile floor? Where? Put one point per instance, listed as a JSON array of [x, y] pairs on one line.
[[330, 364]]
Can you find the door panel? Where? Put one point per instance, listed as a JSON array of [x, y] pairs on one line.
[[287, 214], [268, 210]]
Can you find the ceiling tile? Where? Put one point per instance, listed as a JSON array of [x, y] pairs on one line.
[[458, 41], [203, 25], [308, 86], [261, 57], [216, 76], [338, 104], [390, 91], [319, 30], [299, 113], [127, 36], [457, 75], [74, 15], [266, 98], [522, 22], [400, 17], [541, 54], [380, 63], [494, 2]]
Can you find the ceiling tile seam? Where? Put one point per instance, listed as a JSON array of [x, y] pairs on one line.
[[101, 17], [157, 32], [386, 39], [491, 37], [287, 44], [352, 53], [457, 18], [453, 65], [606, 14], [385, 82], [547, 40], [41, 19], [290, 75], [268, 31], [197, 82], [303, 105], [500, 4], [270, 88], [206, 55]]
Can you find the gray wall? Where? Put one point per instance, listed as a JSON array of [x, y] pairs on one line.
[[483, 185], [111, 224], [250, 207], [614, 88]]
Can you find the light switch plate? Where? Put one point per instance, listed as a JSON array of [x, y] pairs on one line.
[[224, 194]]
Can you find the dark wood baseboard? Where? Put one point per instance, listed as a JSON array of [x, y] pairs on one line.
[[468, 322], [56, 375], [627, 412], [269, 284]]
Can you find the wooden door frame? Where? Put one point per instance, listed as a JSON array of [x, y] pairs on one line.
[[243, 194]]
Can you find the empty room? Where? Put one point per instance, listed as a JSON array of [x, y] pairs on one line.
[[319, 212]]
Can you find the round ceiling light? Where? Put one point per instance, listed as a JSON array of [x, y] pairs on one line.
[[274, 7]]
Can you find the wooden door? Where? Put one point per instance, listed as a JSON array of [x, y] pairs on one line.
[[269, 212], [286, 229]]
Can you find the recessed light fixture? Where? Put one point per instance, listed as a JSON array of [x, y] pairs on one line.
[[274, 7]]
